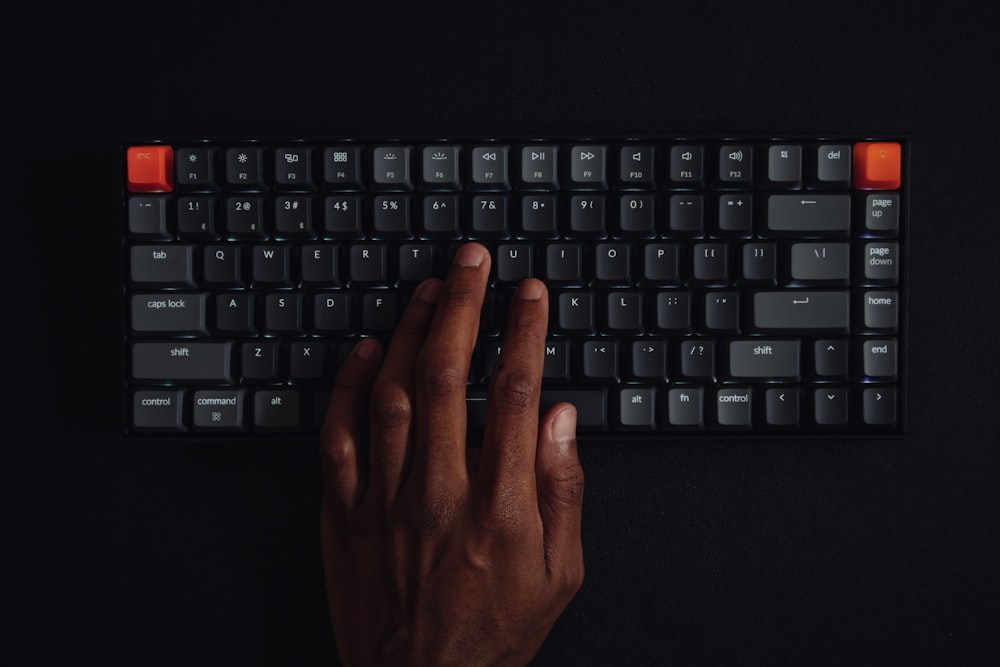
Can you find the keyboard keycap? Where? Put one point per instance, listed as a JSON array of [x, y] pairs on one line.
[[808, 212], [538, 166], [147, 218], [879, 406], [219, 409], [489, 166], [637, 407], [277, 409], [150, 168], [179, 313], [794, 310], [391, 167], [782, 406], [158, 410], [162, 265], [245, 167], [182, 361], [764, 359], [877, 165]]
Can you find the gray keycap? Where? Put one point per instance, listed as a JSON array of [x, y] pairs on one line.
[[881, 309], [636, 407], [763, 359], [685, 407], [170, 312], [489, 166], [276, 409], [218, 409], [808, 212], [821, 262], [538, 165], [162, 265], [781, 406], [158, 410], [882, 262], [795, 309], [879, 406], [182, 361], [440, 166], [833, 164], [587, 165], [733, 407], [880, 358], [830, 406], [147, 217], [784, 165], [882, 212], [391, 167]]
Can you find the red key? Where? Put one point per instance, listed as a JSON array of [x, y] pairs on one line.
[[877, 165], [150, 168]]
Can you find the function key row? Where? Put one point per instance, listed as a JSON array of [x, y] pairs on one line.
[[536, 166]]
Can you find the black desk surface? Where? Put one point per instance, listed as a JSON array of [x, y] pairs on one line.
[[877, 551]]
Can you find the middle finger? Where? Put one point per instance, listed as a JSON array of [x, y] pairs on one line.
[[443, 370]]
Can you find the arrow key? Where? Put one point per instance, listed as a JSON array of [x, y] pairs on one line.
[[879, 406], [830, 404], [830, 358], [781, 406]]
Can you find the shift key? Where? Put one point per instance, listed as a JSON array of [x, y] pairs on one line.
[[182, 361], [762, 359], [793, 310]]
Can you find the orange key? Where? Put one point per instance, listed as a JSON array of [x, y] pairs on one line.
[[150, 168], [877, 165]]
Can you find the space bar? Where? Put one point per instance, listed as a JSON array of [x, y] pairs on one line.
[[591, 405]]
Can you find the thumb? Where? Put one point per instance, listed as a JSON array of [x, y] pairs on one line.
[[559, 478]]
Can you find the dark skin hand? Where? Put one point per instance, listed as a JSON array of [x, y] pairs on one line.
[[435, 553]]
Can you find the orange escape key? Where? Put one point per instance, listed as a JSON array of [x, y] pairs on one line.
[[150, 168], [877, 165]]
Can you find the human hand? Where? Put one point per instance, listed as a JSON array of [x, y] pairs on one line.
[[436, 553]]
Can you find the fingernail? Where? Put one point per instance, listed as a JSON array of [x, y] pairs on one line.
[[428, 291], [564, 428], [366, 348], [530, 290], [470, 255]]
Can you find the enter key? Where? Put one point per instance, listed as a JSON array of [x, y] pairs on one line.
[[795, 310]]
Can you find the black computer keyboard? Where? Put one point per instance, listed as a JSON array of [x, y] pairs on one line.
[[718, 285]]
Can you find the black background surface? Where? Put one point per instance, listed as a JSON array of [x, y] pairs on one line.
[[878, 551]]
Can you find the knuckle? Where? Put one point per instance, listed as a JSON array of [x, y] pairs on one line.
[[439, 376], [336, 452], [390, 406], [515, 387], [565, 486]]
